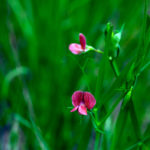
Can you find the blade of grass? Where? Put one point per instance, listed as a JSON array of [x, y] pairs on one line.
[[28, 100], [139, 143], [112, 108], [144, 40], [27, 30], [119, 128], [10, 76], [131, 106], [134, 119]]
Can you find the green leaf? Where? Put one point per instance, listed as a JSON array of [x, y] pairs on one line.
[[119, 82], [119, 128], [39, 137], [10, 76], [23, 121], [127, 98]]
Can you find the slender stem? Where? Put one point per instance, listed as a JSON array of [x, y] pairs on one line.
[[139, 143], [112, 109], [131, 108], [119, 128], [134, 119], [114, 67], [95, 123], [83, 71], [98, 51], [97, 141]]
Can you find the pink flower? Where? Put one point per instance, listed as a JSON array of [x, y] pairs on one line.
[[78, 48], [82, 101]]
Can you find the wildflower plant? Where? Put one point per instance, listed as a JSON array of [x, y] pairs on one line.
[[104, 77], [125, 83]]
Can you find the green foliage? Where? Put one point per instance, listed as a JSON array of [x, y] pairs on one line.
[[35, 100], [10, 76]]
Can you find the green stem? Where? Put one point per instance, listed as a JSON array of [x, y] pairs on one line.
[[139, 143], [134, 119], [95, 124], [119, 128], [83, 72], [131, 110], [98, 51], [97, 141], [112, 109], [114, 67]]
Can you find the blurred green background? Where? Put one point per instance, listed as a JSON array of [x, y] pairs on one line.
[[38, 74]]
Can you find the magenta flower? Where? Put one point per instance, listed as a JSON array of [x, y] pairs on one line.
[[78, 48], [82, 101]]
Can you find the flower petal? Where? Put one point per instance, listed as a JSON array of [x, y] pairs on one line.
[[75, 48], [82, 110], [74, 109], [77, 98], [82, 40], [89, 100]]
